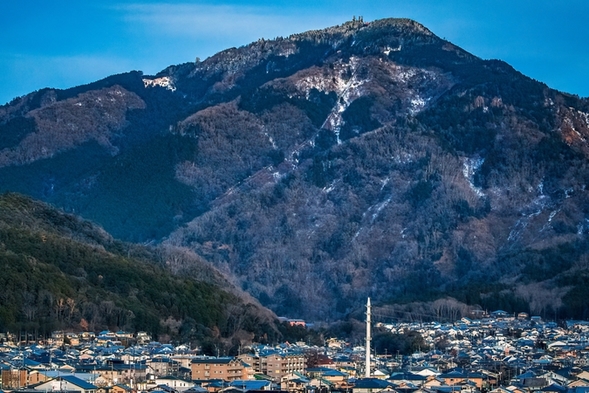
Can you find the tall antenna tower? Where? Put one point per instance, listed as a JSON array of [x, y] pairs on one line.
[[368, 339]]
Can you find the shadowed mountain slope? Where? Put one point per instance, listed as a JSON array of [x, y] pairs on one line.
[[60, 272], [366, 159]]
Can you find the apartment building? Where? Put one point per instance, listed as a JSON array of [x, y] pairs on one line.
[[226, 368]]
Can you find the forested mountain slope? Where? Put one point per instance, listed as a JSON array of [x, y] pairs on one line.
[[60, 272], [367, 159]]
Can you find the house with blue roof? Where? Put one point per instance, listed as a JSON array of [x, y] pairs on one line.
[[335, 377], [499, 314], [162, 389], [554, 388], [247, 385], [295, 383], [67, 382], [174, 382], [407, 376], [447, 389], [120, 388], [371, 385], [214, 385], [196, 389]]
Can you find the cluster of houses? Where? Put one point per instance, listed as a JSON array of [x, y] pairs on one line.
[[498, 354]]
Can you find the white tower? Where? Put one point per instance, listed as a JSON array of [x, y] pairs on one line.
[[368, 338]]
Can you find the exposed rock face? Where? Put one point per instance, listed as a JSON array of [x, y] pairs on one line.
[[367, 159]]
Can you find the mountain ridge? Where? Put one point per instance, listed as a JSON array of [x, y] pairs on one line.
[[61, 272], [367, 159]]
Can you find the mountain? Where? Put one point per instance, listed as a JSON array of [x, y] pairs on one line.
[[366, 159], [60, 272]]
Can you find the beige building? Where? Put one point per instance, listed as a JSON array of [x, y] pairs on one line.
[[14, 378], [277, 365], [162, 366], [226, 368]]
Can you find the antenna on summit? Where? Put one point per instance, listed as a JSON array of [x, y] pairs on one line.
[[368, 339]]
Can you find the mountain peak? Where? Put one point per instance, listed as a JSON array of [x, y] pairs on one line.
[[365, 159]]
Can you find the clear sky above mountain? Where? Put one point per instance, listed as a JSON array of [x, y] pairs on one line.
[[63, 43]]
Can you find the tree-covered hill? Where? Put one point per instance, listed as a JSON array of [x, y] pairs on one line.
[[61, 272], [365, 159]]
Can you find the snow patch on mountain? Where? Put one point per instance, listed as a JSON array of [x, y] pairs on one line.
[[347, 92], [387, 50], [344, 82], [403, 157], [270, 139], [417, 105], [165, 82], [535, 208], [470, 166], [419, 87]]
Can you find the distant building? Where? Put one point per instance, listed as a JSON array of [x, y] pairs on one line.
[[14, 378], [371, 385], [296, 322], [69, 382], [499, 314], [225, 368], [276, 365], [161, 366], [177, 384]]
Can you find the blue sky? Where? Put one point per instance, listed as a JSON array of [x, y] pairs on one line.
[[62, 44]]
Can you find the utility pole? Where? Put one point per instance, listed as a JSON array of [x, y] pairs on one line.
[[368, 339]]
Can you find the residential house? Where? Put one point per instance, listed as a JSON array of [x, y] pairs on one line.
[[432, 382], [36, 377], [161, 389], [579, 383], [380, 374], [120, 388], [249, 385], [196, 389], [177, 384], [372, 385], [72, 339], [583, 376], [554, 388], [213, 385], [294, 383], [499, 314], [458, 377], [337, 378], [67, 382], [143, 338]]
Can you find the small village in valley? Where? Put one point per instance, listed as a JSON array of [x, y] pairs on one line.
[[494, 352]]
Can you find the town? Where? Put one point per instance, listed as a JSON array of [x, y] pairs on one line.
[[496, 353]]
